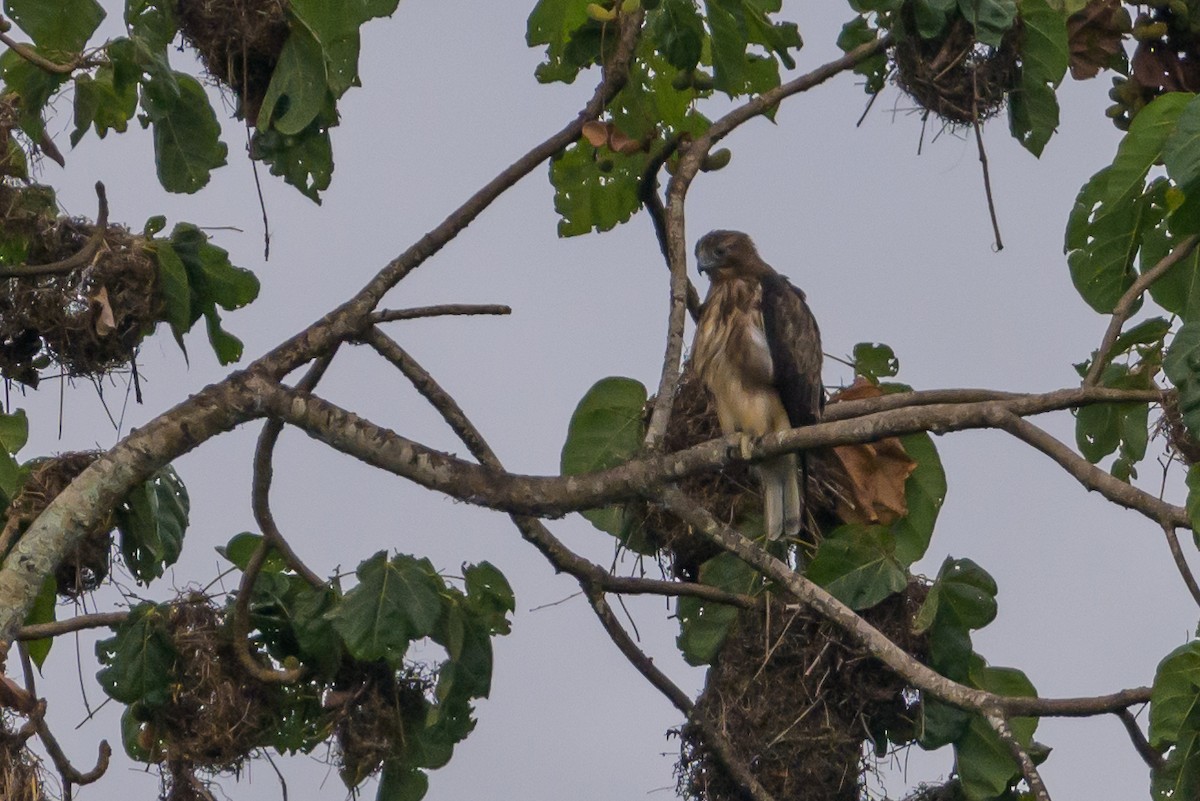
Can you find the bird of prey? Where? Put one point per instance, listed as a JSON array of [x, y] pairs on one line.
[[758, 350]]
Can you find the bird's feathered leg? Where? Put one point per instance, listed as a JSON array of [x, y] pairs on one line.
[[780, 486]]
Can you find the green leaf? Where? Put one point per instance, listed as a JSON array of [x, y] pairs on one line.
[[42, 611], [678, 31], [227, 347], [552, 23], [1148, 332], [1175, 723], [490, 596], [139, 659], [131, 737], [242, 546], [991, 18], [151, 23], [14, 431], [703, 625], [1102, 240], [874, 360], [1097, 430], [399, 783], [858, 32], [939, 724], [102, 103], [305, 161], [606, 430], [62, 25], [395, 602], [187, 145], [1033, 110], [211, 275], [1143, 145], [1193, 501], [857, 565], [962, 598], [1181, 151], [152, 520], [176, 291], [736, 26], [594, 189], [296, 94], [983, 762], [1182, 367], [924, 492]]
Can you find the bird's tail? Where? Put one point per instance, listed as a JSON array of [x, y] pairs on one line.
[[783, 512]]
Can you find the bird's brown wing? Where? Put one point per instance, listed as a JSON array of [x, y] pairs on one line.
[[795, 344]]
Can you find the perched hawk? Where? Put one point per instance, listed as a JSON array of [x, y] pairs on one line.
[[758, 350]]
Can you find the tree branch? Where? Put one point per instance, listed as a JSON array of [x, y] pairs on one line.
[[1128, 301], [36, 59], [1029, 770], [97, 620], [1185, 571], [547, 496], [389, 315], [1152, 758]]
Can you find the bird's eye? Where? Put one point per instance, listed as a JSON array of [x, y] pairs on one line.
[[719, 251]]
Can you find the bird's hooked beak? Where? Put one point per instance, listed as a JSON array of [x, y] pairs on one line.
[[706, 262]]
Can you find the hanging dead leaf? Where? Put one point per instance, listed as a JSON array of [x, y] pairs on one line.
[[596, 133], [106, 323], [1095, 34], [875, 472]]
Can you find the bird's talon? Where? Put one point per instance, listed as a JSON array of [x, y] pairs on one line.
[[745, 447]]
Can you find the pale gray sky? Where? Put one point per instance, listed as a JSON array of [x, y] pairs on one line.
[[890, 246]]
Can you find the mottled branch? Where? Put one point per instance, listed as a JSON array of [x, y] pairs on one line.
[[1029, 770], [443, 310]]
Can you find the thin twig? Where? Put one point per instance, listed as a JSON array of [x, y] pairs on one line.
[[1152, 758], [1128, 302], [1029, 770], [987, 178], [38, 631], [33, 57], [390, 315], [1185, 571], [75, 261]]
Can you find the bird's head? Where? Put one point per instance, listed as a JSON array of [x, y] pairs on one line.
[[726, 254]]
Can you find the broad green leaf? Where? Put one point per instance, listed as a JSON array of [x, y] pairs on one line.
[[14, 431], [152, 521], [1175, 696], [131, 737], [1143, 145], [139, 659], [924, 492], [606, 430], [931, 16], [176, 291], [1033, 109], [962, 598], [1097, 430], [242, 546], [1102, 240], [939, 724], [305, 161], [490, 596], [552, 23], [1193, 501], [737, 70], [101, 103], [857, 565], [12, 476], [678, 32], [991, 18], [874, 360], [399, 783], [594, 189], [187, 147], [983, 762], [1175, 723], [703, 626], [1181, 151], [227, 347], [1177, 290], [1147, 332], [875, 69], [296, 94], [151, 22], [64, 25], [396, 601], [212, 277], [42, 611], [1182, 367]]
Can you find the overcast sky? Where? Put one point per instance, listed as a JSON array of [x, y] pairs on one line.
[[889, 245]]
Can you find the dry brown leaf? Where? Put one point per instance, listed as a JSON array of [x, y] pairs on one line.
[[1095, 34], [595, 132], [875, 472], [106, 323], [620, 142]]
